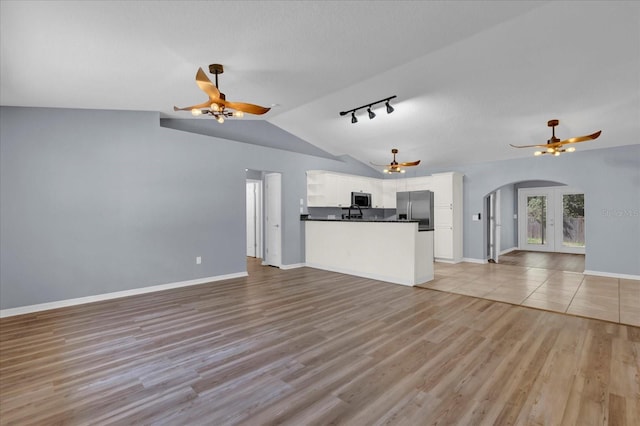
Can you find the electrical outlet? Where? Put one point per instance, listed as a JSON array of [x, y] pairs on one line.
[[198, 260]]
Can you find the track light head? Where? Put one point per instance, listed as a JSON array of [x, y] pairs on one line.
[[354, 119], [390, 109], [371, 113]]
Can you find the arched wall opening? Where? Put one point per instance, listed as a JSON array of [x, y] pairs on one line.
[[500, 216]]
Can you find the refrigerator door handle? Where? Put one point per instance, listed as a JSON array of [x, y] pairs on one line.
[[409, 213]]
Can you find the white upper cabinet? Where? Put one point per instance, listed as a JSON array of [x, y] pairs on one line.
[[419, 183], [326, 189], [389, 189], [442, 189]]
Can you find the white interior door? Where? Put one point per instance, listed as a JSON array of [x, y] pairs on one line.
[[551, 219], [254, 218], [273, 219], [495, 226]]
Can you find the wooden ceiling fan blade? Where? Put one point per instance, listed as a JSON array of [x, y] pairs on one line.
[[248, 108], [379, 165], [531, 146], [581, 138], [207, 86], [199, 106], [410, 163]]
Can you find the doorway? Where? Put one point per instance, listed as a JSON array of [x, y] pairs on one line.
[[551, 219]]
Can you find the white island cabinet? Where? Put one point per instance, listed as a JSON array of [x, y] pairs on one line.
[[361, 248]]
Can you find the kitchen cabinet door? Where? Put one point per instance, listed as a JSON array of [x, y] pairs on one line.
[[342, 191], [389, 189], [419, 183], [443, 243]]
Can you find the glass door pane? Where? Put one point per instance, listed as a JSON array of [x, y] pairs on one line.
[[570, 237], [573, 220], [537, 220]]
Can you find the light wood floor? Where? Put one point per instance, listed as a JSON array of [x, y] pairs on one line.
[[305, 346], [543, 260], [548, 287]]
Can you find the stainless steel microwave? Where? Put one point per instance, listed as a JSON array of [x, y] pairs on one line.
[[361, 199]]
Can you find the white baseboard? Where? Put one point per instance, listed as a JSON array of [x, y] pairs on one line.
[[472, 260], [452, 261], [293, 266], [115, 295], [612, 275], [509, 250]]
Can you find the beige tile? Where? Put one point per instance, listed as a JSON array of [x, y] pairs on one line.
[[597, 291], [471, 291], [607, 315], [630, 302], [573, 286], [630, 316], [444, 284], [548, 305], [601, 303], [555, 292], [508, 298], [563, 299], [630, 284], [521, 284], [592, 279], [605, 298]]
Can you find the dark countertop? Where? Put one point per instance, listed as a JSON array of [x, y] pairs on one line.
[[312, 219]]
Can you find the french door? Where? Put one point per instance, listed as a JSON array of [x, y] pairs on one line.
[[551, 219]]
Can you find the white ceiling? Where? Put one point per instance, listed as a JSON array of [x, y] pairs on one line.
[[470, 77]]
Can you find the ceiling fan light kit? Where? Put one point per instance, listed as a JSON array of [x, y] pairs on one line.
[[372, 114], [394, 166], [555, 146], [217, 106]]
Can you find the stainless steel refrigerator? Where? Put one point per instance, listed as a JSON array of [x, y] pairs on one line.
[[416, 205]]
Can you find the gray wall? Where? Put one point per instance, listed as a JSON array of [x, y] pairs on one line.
[[93, 202], [610, 179]]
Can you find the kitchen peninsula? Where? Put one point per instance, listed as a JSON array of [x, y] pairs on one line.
[[388, 250]]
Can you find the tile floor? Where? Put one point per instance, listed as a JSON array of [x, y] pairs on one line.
[[609, 299]]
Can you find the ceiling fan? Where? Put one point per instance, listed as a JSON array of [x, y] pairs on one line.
[[394, 166], [217, 105], [555, 145]]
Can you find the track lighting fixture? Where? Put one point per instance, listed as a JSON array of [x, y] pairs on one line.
[[372, 114], [389, 108]]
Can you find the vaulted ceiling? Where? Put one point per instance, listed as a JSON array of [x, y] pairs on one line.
[[470, 76]]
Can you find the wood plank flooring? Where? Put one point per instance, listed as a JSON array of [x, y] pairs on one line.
[[305, 346], [544, 260]]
